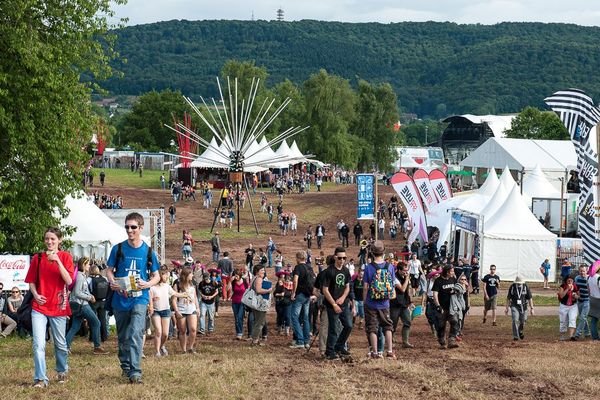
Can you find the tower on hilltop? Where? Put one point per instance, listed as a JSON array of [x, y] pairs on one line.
[[280, 14]]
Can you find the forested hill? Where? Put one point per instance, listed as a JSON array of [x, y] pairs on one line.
[[435, 68]]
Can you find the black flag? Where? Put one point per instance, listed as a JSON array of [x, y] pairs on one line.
[[578, 113]]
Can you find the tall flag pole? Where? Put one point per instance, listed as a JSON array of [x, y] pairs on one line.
[[577, 112], [409, 195]]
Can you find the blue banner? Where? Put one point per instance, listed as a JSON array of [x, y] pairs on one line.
[[465, 222], [366, 196]]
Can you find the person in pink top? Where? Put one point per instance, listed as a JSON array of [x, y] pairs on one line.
[[237, 287]]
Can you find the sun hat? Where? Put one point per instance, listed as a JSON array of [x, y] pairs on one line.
[[189, 260], [377, 248], [518, 279]]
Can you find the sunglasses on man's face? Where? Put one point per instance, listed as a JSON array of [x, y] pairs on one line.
[[341, 258], [15, 291], [132, 227]]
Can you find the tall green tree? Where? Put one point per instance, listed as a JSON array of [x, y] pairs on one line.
[[330, 108], [531, 123], [295, 113], [45, 116], [376, 113], [144, 127]]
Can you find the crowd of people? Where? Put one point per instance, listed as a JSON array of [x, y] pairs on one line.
[[319, 301], [106, 201]]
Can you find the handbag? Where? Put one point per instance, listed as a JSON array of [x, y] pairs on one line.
[[24, 311], [254, 300]]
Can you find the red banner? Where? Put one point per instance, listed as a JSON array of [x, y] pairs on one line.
[[409, 195], [421, 179], [440, 185]]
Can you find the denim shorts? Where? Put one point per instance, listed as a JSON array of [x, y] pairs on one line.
[[162, 313]]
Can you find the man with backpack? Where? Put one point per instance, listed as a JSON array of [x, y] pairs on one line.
[[303, 284], [132, 270], [378, 289], [336, 290]]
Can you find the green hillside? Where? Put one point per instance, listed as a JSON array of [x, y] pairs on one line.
[[435, 68]]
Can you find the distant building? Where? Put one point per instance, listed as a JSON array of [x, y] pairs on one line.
[[465, 133]]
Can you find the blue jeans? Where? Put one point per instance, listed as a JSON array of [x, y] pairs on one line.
[[360, 308], [93, 321], [215, 256], [210, 310], [594, 327], [300, 315], [337, 342], [130, 333], [583, 327], [238, 315], [172, 218], [58, 325], [270, 258]]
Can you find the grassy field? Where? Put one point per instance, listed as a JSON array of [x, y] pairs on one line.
[[538, 300], [125, 178], [487, 365]]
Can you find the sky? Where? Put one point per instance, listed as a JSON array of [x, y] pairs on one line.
[[581, 12]]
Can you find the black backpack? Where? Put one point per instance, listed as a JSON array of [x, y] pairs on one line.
[[310, 279], [100, 288]]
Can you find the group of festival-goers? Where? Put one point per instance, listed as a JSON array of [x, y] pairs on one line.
[[106, 201], [318, 300]]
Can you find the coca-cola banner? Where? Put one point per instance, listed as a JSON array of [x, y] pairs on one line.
[[409, 195], [440, 185], [421, 179], [13, 270]]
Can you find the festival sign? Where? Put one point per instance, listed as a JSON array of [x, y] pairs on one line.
[[577, 112], [440, 185], [421, 179], [409, 195], [366, 196], [464, 221], [13, 270]]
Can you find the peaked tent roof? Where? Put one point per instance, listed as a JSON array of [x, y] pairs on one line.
[[535, 184], [210, 158], [296, 153], [518, 154], [495, 202], [490, 185], [506, 179], [514, 220]]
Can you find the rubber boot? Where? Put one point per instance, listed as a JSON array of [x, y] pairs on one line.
[[405, 336]]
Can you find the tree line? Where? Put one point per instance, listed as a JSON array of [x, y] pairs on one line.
[[436, 69]]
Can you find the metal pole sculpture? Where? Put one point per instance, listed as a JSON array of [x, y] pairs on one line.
[[237, 132]]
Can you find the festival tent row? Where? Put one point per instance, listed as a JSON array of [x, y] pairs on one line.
[[554, 157], [510, 236]]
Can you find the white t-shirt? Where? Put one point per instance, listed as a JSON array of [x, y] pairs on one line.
[[160, 295], [382, 224], [413, 267], [186, 306]]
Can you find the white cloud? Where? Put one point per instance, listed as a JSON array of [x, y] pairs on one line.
[[582, 12]]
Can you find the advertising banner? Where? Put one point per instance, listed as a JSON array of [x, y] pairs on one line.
[[13, 270], [409, 195], [440, 185], [366, 196], [421, 179], [580, 116]]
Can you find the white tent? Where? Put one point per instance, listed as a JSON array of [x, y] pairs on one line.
[[536, 185], [282, 153], [555, 157], [296, 153], [95, 232], [211, 157], [515, 241], [490, 185]]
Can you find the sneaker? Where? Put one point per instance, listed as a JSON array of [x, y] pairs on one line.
[[459, 338], [391, 355], [125, 374], [61, 377], [407, 345], [239, 337], [296, 346], [484, 319], [574, 338], [307, 346], [164, 351], [158, 355], [452, 344], [136, 380], [40, 384], [191, 351], [331, 357], [143, 356], [375, 355], [494, 323], [344, 353], [562, 338], [99, 351]]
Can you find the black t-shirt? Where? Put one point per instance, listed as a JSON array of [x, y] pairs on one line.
[[287, 294], [491, 284], [336, 280], [402, 298], [207, 289], [445, 288], [302, 287], [357, 289], [249, 254]]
